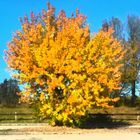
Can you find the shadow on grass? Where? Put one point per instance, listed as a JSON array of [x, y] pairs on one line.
[[102, 121]]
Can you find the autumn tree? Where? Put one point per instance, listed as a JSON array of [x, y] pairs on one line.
[[65, 70]]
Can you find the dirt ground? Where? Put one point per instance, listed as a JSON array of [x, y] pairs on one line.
[[99, 135], [65, 133]]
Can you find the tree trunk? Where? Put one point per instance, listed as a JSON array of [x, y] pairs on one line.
[[133, 92]]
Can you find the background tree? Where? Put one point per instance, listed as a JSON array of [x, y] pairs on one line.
[[117, 26], [131, 43], [66, 71], [133, 62], [8, 92]]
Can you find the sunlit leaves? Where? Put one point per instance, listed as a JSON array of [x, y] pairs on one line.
[[65, 69]]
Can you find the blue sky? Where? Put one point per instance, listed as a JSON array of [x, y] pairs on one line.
[[95, 10]]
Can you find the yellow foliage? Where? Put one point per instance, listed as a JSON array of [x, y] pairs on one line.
[[66, 69]]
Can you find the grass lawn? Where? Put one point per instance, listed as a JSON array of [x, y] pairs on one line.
[[31, 118], [126, 114], [19, 110], [118, 110]]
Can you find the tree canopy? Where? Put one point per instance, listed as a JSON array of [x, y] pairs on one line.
[[65, 69]]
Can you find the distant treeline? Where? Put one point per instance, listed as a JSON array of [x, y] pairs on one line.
[[8, 92]]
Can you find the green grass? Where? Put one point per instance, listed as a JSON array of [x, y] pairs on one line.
[[20, 118], [117, 110], [31, 118], [19, 109], [120, 110]]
